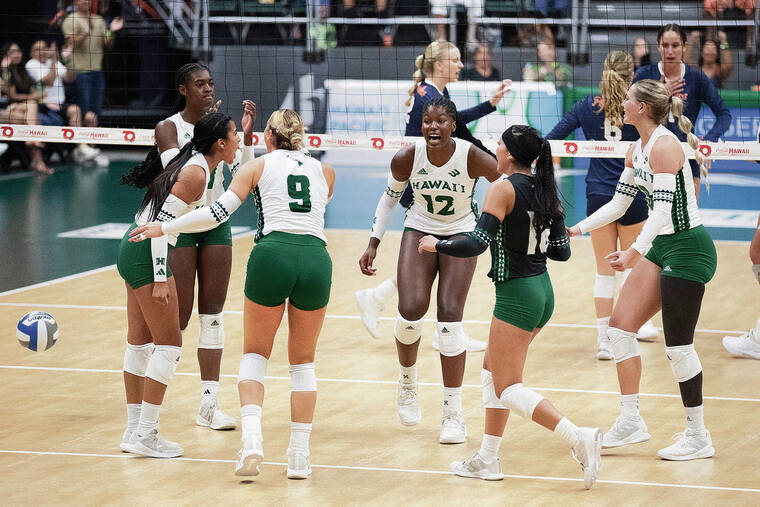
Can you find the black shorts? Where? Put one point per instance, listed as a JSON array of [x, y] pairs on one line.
[[636, 212]]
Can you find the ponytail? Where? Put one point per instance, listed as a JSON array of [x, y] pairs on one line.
[[143, 175], [684, 123], [548, 207], [419, 76], [424, 64]]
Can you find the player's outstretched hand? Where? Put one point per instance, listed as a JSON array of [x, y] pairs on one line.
[[147, 231], [427, 244], [573, 231], [622, 260], [249, 116], [504, 87]]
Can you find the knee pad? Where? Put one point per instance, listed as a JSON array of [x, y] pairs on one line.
[[163, 363], [604, 286], [452, 340], [212, 331], [252, 367], [623, 344], [408, 331], [490, 400], [302, 377], [626, 273], [520, 399], [136, 358], [684, 362]]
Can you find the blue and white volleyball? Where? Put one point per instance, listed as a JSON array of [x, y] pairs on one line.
[[37, 331]]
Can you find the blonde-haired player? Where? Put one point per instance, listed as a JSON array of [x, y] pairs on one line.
[[289, 263], [679, 258]]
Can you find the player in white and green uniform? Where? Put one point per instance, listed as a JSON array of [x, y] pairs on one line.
[[152, 299], [442, 172], [680, 259], [207, 254], [289, 264]]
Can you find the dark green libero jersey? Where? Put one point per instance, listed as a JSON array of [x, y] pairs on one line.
[[517, 251]]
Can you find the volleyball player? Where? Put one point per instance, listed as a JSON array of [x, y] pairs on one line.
[[289, 263], [523, 222], [439, 65], [748, 344], [688, 83], [601, 118], [154, 340], [442, 172], [209, 254], [679, 259]]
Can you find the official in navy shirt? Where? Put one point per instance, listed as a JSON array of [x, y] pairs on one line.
[[601, 119], [688, 83]]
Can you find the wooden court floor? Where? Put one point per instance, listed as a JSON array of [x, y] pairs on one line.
[[63, 410]]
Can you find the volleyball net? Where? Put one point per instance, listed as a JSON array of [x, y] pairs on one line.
[[346, 66]]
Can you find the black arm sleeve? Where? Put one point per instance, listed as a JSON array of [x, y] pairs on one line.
[[559, 244], [472, 243]]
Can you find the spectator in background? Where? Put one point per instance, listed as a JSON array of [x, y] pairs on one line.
[[640, 53], [44, 67], [439, 9], [714, 57], [23, 101], [715, 8], [88, 36], [483, 70], [350, 10], [547, 68]]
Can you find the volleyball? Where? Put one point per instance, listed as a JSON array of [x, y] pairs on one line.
[[37, 331]]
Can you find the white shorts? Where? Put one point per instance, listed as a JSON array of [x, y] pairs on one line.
[[440, 7]]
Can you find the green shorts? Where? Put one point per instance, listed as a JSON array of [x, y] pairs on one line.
[[289, 266], [527, 303], [688, 254], [436, 236], [134, 261], [219, 235]]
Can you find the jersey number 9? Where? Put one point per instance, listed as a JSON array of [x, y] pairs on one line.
[[298, 188]]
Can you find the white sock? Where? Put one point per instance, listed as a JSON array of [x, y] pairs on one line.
[[250, 420], [209, 390], [408, 374], [695, 418], [601, 327], [299, 437], [133, 415], [452, 399], [629, 404], [489, 448], [567, 430], [148, 418], [385, 290]]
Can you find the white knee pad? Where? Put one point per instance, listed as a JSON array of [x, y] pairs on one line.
[[253, 367], [604, 286], [163, 363], [490, 400], [452, 340], [626, 273], [212, 331], [684, 362], [408, 331], [136, 358], [302, 377], [520, 399], [623, 344]]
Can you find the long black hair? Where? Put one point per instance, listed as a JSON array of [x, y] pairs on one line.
[[143, 175], [525, 144], [207, 132]]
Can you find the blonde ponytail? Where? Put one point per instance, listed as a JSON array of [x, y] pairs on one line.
[[424, 64], [616, 77], [287, 127], [676, 109]]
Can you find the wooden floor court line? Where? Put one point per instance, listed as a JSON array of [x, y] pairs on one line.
[[394, 470], [371, 381], [334, 316]]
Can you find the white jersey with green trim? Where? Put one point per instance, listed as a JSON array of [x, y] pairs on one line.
[[443, 195], [291, 195], [184, 135], [144, 217], [685, 213]]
